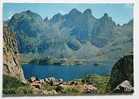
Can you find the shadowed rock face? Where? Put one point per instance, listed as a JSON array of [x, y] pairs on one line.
[[11, 58], [121, 71]]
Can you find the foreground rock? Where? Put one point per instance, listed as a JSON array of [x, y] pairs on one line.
[[11, 58], [89, 89], [124, 87], [122, 71], [58, 86]]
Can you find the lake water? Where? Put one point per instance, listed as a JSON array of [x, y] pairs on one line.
[[64, 72]]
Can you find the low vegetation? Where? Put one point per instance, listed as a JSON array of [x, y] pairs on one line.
[[13, 87], [99, 81], [71, 91]]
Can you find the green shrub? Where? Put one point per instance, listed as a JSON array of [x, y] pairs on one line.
[[71, 91], [25, 90], [48, 87], [13, 87], [100, 82], [10, 82], [59, 89]]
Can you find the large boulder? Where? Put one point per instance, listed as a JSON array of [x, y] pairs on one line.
[[90, 89], [32, 79], [121, 71], [124, 87]]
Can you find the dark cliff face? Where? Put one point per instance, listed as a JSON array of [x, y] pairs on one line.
[[11, 58], [121, 71]]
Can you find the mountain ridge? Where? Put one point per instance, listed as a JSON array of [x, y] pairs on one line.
[[72, 30]]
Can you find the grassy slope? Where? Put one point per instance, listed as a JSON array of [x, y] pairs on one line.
[[100, 82], [13, 87]]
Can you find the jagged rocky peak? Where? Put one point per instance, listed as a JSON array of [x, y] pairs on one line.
[[118, 25], [28, 14], [130, 22], [105, 14], [74, 12], [28, 11], [56, 18], [46, 19], [27, 21], [58, 15], [88, 12], [106, 17]]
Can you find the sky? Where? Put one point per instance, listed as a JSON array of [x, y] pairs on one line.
[[120, 13]]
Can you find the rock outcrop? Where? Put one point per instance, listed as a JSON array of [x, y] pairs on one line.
[[124, 87], [122, 71], [11, 58]]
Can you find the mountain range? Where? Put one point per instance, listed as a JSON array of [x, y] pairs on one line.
[[74, 35]]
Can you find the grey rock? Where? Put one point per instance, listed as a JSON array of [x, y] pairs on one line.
[[32, 78], [124, 87]]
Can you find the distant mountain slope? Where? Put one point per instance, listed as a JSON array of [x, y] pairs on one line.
[[120, 45], [76, 34], [103, 31]]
